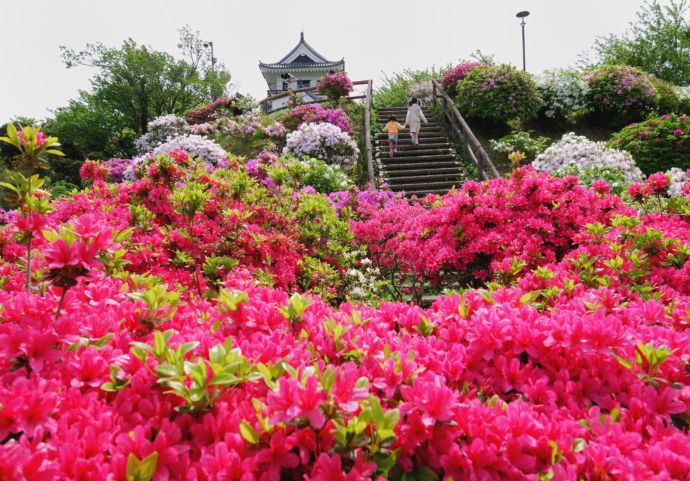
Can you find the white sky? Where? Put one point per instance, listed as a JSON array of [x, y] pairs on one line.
[[374, 36]]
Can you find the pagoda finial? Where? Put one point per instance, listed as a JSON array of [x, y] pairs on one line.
[[301, 36]]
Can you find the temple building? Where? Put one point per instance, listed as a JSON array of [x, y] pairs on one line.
[[302, 67]]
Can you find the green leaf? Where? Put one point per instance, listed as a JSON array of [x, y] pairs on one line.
[[188, 347], [423, 473], [623, 362], [166, 370], [391, 419], [579, 445], [249, 433], [615, 414], [555, 452], [158, 344], [225, 380], [141, 470], [103, 340], [108, 387]]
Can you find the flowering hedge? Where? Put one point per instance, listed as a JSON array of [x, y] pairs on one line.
[[335, 85], [161, 336], [160, 130], [576, 370], [657, 144], [451, 77], [591, 161], [520, 142], [323, 141], [423, 92], [498, 93], [469, 233], [563, 92], [221, 107], [315, 113], [617, 91]]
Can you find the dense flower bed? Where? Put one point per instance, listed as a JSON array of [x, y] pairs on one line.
[[658, 143], [314, 113], [119, 361], [498, 93], [616, 91], [324, 141], [590, 161], [470, 232], [223, 106], [576, 371], [160, 130], [563, 93]]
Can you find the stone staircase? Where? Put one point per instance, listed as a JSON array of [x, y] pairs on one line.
[[430, 167]]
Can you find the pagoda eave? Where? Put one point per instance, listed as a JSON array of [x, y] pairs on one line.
[[309, 67]]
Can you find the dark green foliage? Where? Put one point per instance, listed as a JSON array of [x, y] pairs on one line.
[[658, 143], [667, 99]]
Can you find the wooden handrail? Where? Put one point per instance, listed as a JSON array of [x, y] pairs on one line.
[[472, 148], [367, 132], [287, 93]]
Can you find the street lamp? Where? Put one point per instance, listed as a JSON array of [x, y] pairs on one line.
[[213, 70], [522, 15], [213, 59]]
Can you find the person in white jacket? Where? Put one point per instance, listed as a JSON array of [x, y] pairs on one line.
[[414, 119]]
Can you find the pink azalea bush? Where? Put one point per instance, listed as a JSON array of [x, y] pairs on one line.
[[314, 113], [220, 107], [450, 78], [470, 232], [572, 364], [335, 85], [620, 92]]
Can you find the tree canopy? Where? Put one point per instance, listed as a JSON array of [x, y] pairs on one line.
[[657, 42], [132, 85]]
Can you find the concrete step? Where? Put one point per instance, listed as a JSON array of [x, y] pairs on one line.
[[424, 134], [426, 186], [424, 130], [424, 179], [415, 152], [424, 193], [417, 158], [430, 123], [408, 147], [448, 164], [399, 111], [452, 170]]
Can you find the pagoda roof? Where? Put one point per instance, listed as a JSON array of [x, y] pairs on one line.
[[302, 56]]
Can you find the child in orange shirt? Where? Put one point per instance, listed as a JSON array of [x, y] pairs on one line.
[[393, 127]]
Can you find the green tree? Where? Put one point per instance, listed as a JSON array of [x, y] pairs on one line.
[[658, 42], [135, 83]]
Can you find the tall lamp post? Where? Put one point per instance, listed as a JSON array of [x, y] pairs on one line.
[[213, 59], [522, 15], [213, 64]]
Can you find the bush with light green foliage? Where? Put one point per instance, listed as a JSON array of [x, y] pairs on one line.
[[522, 142], [395, 91]]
